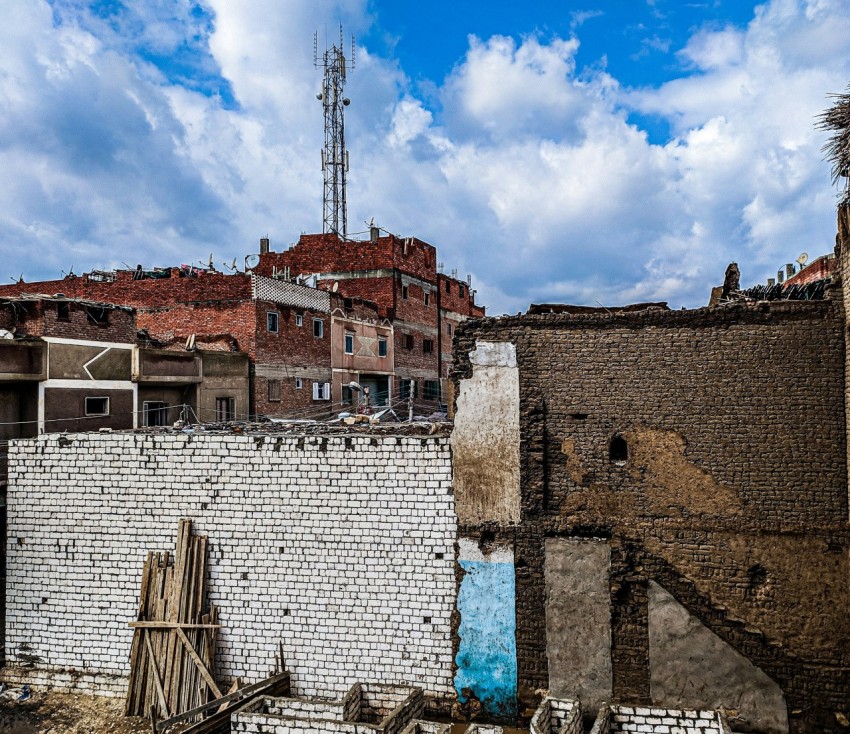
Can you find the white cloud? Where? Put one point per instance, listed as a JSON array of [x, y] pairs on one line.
[[528, 173]]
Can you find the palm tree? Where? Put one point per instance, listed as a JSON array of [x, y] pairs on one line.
[[837, 121]]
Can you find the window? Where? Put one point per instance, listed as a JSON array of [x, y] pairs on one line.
[[97, 406], [427, 298], [225, 409], [448, 286], [618, 451], [274, 391], [299, 383], [432, 390], [382, 346], [271, 321], [299, 319], [63, 311], [318, 328], [427, 346], [347, 394], [349, 342], [98, 315], [407, 386], [155, 413], [449, 329], [404, 293], [407, 341], [461, 290], [321, 391]]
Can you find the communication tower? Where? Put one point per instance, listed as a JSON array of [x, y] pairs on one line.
[[334, 154]]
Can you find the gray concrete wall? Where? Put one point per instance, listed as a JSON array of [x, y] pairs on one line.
[[578, 620], [691, 667]]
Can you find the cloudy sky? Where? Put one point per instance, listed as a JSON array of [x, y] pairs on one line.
[[601, 151]]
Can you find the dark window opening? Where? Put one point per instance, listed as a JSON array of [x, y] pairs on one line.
[[461, 290], [97, 406], [347, 395], [448, 286], [618, 450], [63, 311], [404, 293], [98, 315], [427, 298], [347, 303], [272, 322], [155, 413], [427, 346], [318, 328], [578, 416], [407, 341], [349, 342], [432, 389], [382, 347], [405, 392], [225, 409]]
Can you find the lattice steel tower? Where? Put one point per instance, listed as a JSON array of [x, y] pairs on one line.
[[334, 154]]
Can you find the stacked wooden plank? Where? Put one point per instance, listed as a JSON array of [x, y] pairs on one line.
[[171, 660]]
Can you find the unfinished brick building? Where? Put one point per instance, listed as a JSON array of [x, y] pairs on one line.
[[668, 492], [401, 276]]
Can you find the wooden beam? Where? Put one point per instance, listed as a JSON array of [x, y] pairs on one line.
[[157, 682], [198, 662], [172, 625]]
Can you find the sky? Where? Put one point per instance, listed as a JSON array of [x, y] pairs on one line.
[[589, 152]]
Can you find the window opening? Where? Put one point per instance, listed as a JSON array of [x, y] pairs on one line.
[[225, 409], [321, 391], [97, 406], [461, 290], [63, 311], [427, 346], [432, 390], [349, 342], [318, 328], [404, 293], [274, 391], [299, 383], [155, 413], [427, 298], [98, 315], [448, 286], [618, 450], [407, 341], [299, 319], [382, 347], [272, 322]]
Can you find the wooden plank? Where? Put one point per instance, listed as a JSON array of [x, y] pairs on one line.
[[158, 683], [172, 625], [202, 669]]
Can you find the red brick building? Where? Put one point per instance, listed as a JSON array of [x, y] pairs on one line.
[[401, 276]]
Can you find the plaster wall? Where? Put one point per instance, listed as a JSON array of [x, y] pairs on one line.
[[578, 620], [691, 667], [485, 440]]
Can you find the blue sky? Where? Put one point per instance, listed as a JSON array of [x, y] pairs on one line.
[[557, 151]]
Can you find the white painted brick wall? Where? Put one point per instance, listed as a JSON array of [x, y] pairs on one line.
[[329, 544]]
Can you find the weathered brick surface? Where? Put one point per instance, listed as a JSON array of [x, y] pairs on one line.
[[734, 494], [40, 318], [340, 547]]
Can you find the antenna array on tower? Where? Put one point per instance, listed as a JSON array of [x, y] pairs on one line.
[[334, 154]]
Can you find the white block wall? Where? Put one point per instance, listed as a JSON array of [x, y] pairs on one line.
[[340, 546]]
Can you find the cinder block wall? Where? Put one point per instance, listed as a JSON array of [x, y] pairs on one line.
[[340, 546]]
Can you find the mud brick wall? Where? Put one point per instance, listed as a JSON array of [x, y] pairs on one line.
[[340, 547], [40, 318], [733, 495]]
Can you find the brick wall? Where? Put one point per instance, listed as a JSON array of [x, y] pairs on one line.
[[140, 293], [41, 318], [340, 547], [733, 495]]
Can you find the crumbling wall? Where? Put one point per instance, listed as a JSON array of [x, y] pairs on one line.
[[339, 547], [709, 448]]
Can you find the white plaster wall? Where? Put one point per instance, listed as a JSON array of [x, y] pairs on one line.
[[485, 439], [329, 544]]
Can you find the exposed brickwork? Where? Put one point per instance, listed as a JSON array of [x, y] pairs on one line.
[[822, 267], [733, 496], [340, 548], [41, 318]]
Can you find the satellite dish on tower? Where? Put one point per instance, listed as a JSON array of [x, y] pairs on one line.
[[803, 259], [335, 287]]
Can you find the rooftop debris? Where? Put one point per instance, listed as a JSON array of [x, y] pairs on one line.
[[814, 291]]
